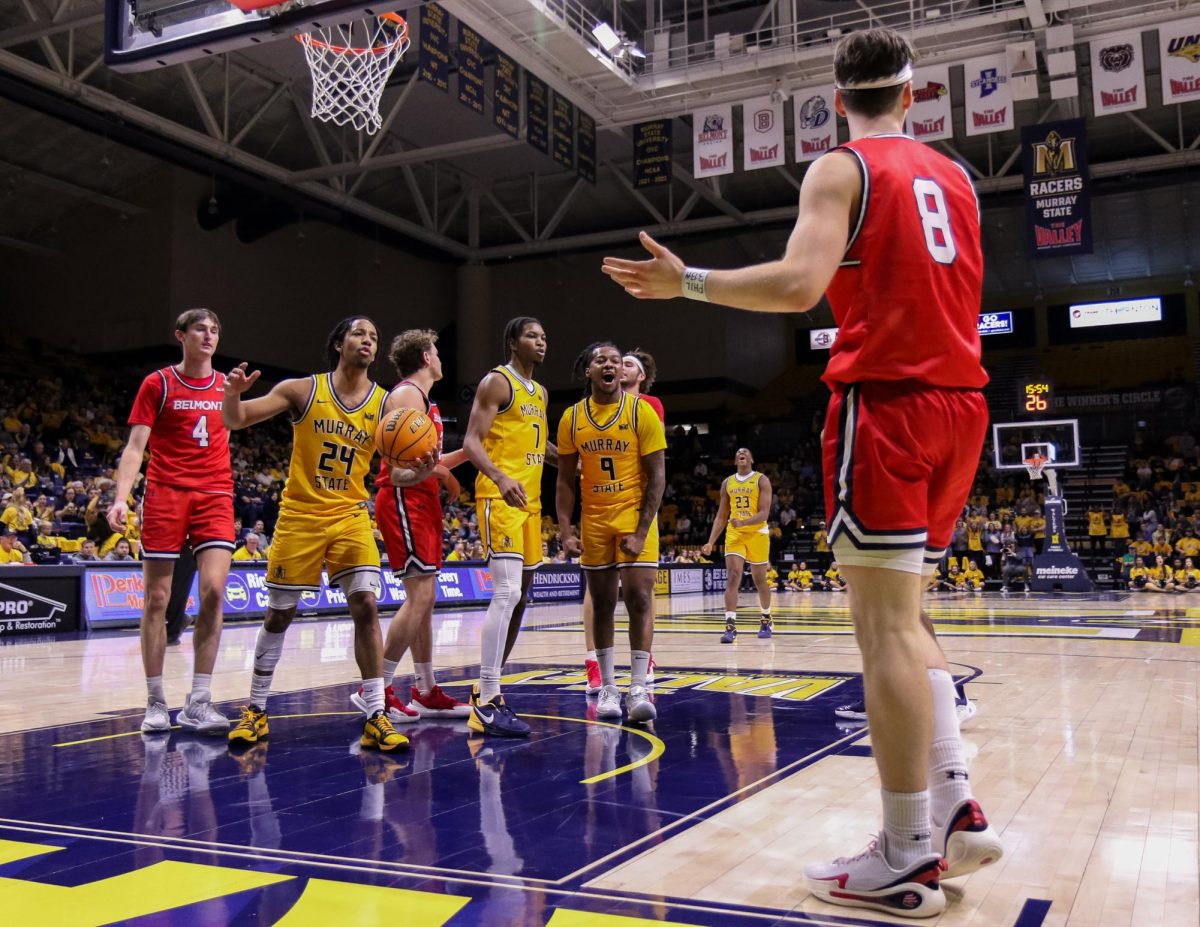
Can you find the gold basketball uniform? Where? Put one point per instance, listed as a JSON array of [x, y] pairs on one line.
[[323, 516], [611, 441], [516, 444], [752, 544]]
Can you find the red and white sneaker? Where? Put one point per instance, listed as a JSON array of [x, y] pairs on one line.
[[968, 841], [397, 711], [868, 881], [593, 676], [437, 704], [650, 671]]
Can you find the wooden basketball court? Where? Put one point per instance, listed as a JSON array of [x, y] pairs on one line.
[[1084, 755]]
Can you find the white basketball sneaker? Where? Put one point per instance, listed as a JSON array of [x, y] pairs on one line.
[[158, 719], [967, 841], [868, 881], [201, 716], [639, 706], [608, 705]]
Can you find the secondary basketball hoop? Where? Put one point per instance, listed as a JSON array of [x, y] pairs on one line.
[[350, 66]]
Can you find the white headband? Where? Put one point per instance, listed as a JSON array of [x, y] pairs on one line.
[[632, 357], [902, 77]]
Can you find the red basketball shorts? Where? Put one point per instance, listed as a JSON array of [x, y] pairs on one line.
[[171, 516], [411, 524], [899, 460]]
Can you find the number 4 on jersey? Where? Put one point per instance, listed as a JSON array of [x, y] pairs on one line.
[[935, 220], [200, 432]]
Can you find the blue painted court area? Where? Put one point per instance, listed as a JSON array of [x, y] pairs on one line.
[[459, 830]]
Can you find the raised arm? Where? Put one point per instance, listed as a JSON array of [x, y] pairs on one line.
[[494, 392], [829, 197], [289, 395]]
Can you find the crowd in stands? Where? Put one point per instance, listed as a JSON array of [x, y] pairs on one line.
[[62, 431]]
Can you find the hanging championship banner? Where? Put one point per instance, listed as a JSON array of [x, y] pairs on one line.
[[506, 95], [433, 61], [1179, 55], [929, 119], [652, 153], [988, 104], [585, 165], [712, 141], [563, 148], [470, 68], [1118, 73], [537, 114], [1057, 202], [815, 122], [762, 134]]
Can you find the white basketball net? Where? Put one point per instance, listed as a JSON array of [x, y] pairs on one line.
[[1036, 468], [350, 66]]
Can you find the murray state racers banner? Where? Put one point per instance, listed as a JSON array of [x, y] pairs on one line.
[[929, 119], [1179, 54], [1118, 73], [433, 56], [712, 141], [762, 134], [988, 104], [1057, 204], [815, 122]]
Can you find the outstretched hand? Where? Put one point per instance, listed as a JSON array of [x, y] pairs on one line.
[[238, 381], [661, 277]]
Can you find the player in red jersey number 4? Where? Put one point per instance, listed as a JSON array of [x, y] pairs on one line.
[[189, 497], [888, 229]]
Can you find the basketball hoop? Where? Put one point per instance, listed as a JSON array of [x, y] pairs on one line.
[[1035, 466], [350, 66]]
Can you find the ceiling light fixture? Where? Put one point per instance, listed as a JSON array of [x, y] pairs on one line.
[[607, 37]]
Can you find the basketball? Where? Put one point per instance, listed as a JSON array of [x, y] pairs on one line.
[[404, 436]]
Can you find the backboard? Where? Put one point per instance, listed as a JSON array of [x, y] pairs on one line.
[[1057, 440], [143, 34]]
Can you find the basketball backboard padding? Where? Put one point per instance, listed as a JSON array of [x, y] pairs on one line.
[[1055, 439], [140, 35]]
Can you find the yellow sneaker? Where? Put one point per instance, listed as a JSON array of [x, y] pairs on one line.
[[378, 734], [251, 728]]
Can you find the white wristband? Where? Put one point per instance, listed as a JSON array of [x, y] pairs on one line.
[[695, 283]]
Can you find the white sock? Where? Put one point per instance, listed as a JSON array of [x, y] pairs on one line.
[[506, 593], [202, 687], [639, 664], [373, 694], [425, 678], [154, 688], [766, 613], [906, 827], [590, 656], [267, 650], [730, 617], [608, 667], [389, 671], [949, 782]]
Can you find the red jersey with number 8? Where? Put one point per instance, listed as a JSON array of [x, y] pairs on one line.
[[908, 293], [189, 444]]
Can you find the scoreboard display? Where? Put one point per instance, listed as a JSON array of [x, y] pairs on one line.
[[1035, 397]]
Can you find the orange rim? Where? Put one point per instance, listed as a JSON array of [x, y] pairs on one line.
[[307, 38]]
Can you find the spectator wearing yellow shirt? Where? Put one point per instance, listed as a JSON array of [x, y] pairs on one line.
[[46, 538], [833, 578], [1097, 532], [12, 551], [1039, 531], [821, 543], [973, 577], [1142, 548], [109, 544], [975, 534], [800, 578], [250, 551], [21, 476], [458, 554], [772, 577], [1188, 545], [18, 515], [1118, 533], [1188, 578], [1159, 577]]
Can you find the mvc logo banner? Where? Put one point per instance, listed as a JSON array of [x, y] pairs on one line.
[[1118, 73], [1058, 207], [762, 134], [989, 104], [1179, 58], [929, 119]]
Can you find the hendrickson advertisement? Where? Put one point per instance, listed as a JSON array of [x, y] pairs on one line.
[[1057, 200]]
